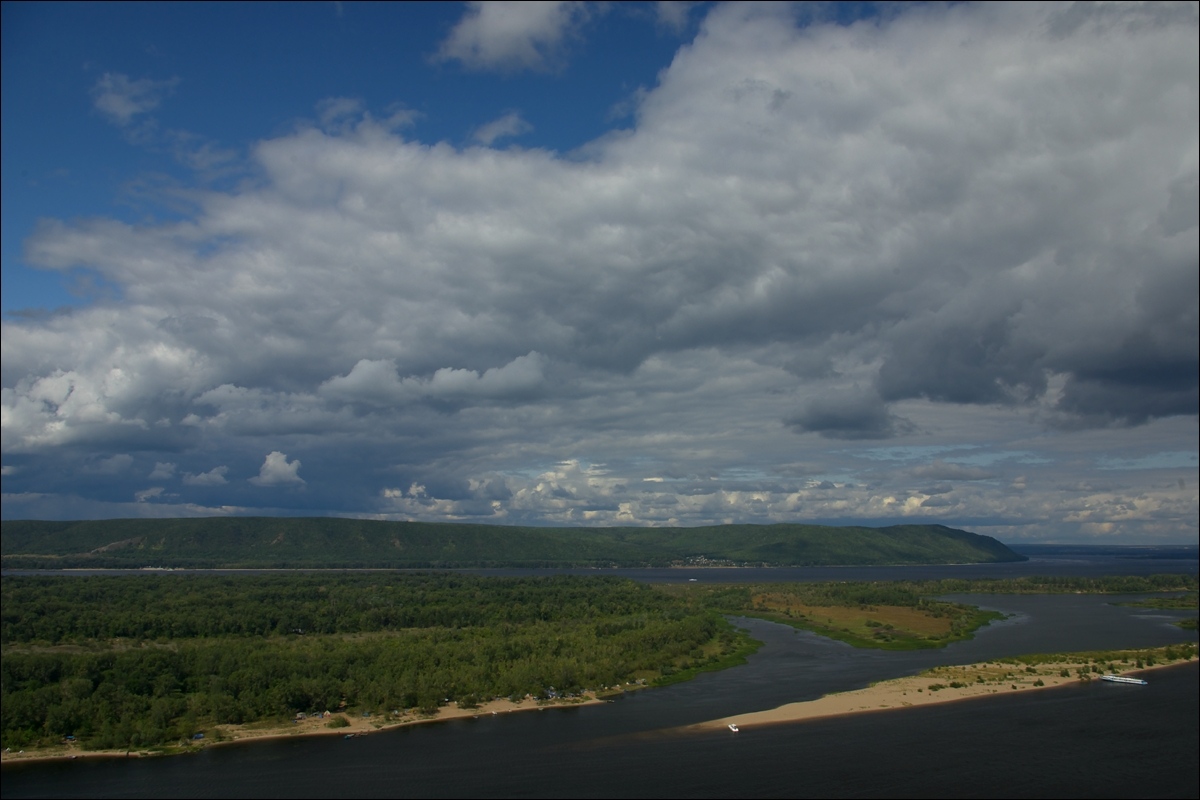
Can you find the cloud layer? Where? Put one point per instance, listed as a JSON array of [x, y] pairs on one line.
[[955, 226]]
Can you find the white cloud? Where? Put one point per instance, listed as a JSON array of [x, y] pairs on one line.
[[335, 111], [372, 382], [673, 14], [520, 375], [504, 127], [163, 470], [54, 409], [951, 225], [214, 477], [122, 100], [146, 495], [377, 382], [278, 471], [128, 104], [513, 35]]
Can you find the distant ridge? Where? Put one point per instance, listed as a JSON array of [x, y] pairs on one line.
[[329, 542]]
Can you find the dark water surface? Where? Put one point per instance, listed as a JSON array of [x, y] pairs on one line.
[[1096, 741], [1099, 740]]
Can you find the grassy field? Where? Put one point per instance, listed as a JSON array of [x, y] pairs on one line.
[[877, 626], [879, 616]]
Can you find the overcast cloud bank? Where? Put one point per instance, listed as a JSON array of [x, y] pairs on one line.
[[936, 266]]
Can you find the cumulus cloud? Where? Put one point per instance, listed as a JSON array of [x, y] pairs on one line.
[[377, 382], [950, 224], [163, 470], [278, 471], [214, 477], [67, 407], [513, 35], [520, 375], [372, 382]]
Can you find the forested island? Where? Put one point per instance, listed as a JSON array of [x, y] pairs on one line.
[[331, 543], [138, 661], [151, 661]]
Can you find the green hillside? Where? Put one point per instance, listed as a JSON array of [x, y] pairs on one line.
[[325, 542]]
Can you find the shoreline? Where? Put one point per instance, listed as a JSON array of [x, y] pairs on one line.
[[943, 684], [226, 735], [971, 681]]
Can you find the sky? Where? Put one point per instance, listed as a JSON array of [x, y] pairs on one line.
[[655, 264]]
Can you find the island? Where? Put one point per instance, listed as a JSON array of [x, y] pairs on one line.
[[159, 663], [959, 683]]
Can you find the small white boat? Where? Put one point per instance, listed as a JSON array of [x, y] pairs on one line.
[[733, 727], [1123, 679]]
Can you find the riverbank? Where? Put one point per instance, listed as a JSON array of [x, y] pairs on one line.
[[315, 725], [938, 685]]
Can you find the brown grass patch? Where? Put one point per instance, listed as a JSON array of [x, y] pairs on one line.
[[855, 618]]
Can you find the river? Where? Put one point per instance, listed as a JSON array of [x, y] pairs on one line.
[[1083, 740]]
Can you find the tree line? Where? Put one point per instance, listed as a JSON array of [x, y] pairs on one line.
[[324, 543], [136, 661]]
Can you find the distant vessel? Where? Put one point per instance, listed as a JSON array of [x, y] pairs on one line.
[[1123, 679], [733, 727]]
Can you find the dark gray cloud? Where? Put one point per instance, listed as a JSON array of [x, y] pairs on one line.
[[954, 225], [848, 415], [968, 362]]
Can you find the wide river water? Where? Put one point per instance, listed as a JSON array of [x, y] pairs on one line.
[[1098, 740]]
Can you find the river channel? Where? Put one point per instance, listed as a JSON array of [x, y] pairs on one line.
[[1083, 740]]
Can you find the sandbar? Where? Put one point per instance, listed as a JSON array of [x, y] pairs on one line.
[[938, 685]]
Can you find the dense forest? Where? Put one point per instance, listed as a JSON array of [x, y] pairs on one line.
[[143, 660], [322, 542], [135, 661]]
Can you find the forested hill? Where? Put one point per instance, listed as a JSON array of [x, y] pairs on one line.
[[324, 542]]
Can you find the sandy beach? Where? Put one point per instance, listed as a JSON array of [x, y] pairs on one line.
[[939, 685], [314, 725]]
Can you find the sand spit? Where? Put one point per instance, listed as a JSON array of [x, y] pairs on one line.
[[938, 685]]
